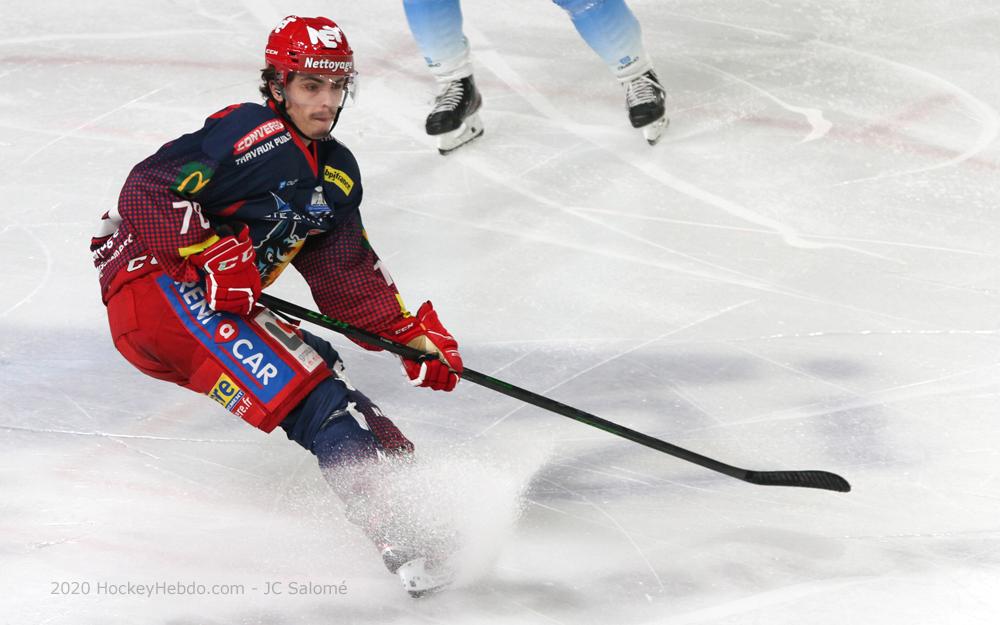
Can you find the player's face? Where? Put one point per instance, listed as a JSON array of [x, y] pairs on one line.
[[312, 102]]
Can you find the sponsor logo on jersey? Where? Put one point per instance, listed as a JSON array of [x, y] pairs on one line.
[[264, 148], [139, 262], [289, 339], [311, 62], [192, 178], [339, 178], [119, 249], [227, 331], [249, 359], [227, 392], [196, 302], [258, 134]]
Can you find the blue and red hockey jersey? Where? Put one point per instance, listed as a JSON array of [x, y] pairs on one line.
[[246, 165]]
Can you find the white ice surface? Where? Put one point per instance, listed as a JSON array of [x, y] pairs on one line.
[[802, 275]]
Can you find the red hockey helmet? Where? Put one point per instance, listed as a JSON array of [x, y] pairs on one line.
[[312, 45]]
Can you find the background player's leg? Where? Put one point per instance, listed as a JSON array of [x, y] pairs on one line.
[[436, 26], [612, 31]]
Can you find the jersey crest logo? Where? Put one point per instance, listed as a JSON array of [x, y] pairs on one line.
[[317, 205]]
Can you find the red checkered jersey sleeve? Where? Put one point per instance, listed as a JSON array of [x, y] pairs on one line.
[[162, 220], [347, 278], [159, 201]]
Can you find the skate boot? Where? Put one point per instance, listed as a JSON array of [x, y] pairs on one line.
[[417, 554], [420, 575], [644, 97], [454, 120]]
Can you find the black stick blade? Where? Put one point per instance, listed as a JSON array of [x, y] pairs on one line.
[[802, 479]]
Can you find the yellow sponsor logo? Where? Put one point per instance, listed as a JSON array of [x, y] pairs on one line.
[[338, 178], [197, 180], [226, 392], [192, 178]]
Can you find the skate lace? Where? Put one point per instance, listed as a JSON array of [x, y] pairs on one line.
[[449, 99], [641, 90]]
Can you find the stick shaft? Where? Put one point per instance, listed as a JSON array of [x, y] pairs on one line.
[[806, 479]]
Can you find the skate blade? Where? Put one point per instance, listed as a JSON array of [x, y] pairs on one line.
[[471, 128], [418, 581], [654, 131]]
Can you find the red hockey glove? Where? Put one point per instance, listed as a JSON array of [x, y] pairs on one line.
[[231, 278], [425, 332]]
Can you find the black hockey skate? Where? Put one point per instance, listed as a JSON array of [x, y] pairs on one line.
[[644, 97], [454, 120]]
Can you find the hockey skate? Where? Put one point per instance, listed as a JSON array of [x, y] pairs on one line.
[[454, 120], [420, 575], [415, 551], [644, 97]]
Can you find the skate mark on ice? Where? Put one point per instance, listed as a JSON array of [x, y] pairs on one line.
[[756, 602], [40, 284], [588, 468], [933, 24], [141, 34], [221, 465], [985, 114], [797, 371], [620, 354], [699, 224], [570, 324], [856, 333], [595, 523], [506, 598], [749, 29], [764, 286], [91, 122], [589, 249], [819, 125], [489, 170], [492, 60], [750, 282], [16, 428], [880, 398], [617, 526]]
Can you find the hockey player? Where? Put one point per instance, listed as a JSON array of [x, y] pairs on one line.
[[607, 26], [216, 215]]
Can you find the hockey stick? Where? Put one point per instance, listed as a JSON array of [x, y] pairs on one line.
[[804, 479]]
